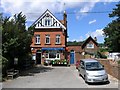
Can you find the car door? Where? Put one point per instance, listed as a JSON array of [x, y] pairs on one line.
[[82, 68]]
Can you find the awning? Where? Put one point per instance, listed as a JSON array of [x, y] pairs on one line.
[[52, 49]]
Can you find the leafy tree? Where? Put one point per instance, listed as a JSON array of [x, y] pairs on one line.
[[112, 31], [15, 38]]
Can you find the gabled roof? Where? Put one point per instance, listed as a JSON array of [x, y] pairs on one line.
[[87, 40], [48, 12]]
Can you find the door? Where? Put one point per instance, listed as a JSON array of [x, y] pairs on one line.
[[38, 58], [72, 57]]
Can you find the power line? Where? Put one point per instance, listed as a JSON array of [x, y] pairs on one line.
[[94, 12]]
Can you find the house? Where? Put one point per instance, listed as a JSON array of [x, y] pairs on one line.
[[50, 38], [90, 45], [79, 50]]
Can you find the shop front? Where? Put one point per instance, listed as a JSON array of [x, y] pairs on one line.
[[51, 54]]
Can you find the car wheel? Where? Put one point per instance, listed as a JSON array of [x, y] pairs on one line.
[[85, 78], [80, 75]]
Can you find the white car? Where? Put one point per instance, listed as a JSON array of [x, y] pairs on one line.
[[92, 71]]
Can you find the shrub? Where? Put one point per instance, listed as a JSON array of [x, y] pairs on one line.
[[119, 62], [4, 65]]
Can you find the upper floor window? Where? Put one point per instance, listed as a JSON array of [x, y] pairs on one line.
[[90, 45], [57, 39], [37, 39], [47, 22], [47, 40]]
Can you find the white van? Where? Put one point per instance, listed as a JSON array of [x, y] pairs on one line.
[[92, 71]]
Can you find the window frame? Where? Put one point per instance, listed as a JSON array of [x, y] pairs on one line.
[[48, 56], [47, 36], [47, 21], [58, 38], [90, 45], [37, 39]]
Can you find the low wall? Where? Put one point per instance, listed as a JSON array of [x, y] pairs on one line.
[[111, 68]]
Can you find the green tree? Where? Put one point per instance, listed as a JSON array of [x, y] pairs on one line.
[[15, 39], [112, 31]]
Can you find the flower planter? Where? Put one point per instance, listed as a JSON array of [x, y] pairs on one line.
[[59, 63]]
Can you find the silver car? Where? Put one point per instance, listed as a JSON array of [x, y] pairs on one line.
[[92, 71]]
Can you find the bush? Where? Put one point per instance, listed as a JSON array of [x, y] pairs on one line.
[[4, 65], [119, 62], [99, 55]]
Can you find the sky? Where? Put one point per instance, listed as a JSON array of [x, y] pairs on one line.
[[85, 17]]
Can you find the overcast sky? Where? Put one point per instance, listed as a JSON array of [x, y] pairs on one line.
[[80, 24]]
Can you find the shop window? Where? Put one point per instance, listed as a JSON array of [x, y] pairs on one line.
[[46, 55], [52, 55], [58, 55]]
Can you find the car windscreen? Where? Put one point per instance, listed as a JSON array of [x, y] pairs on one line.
[[94, 66]]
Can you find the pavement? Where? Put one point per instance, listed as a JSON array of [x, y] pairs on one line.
[[54, 77]]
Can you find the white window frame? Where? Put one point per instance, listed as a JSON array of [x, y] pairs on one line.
[[53, 58], [47, 54], [57, 54], [56, 40], [47, 36], [37, 39], [46, 23], [90, 45]]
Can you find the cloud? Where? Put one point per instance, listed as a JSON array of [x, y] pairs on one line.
[[34, 8], [97, 33], [93, 21], [87, 7]]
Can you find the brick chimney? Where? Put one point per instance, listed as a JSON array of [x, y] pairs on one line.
[[65, 18], [95, 38]]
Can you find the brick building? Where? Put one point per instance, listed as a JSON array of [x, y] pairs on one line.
[[81, 50], [49, 41], [50, 37]]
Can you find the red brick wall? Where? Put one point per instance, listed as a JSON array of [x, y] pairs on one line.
[[113, 70], [52, 33], [77, 50]]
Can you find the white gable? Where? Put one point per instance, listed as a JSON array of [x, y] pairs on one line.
[[48, 20]]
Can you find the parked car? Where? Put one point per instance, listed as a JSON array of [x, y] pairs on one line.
[[77, 64], [92, 71]]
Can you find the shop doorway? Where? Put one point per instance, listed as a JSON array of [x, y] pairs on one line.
[[38, 58]]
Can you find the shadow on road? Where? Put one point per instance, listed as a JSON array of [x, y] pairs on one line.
[[100, 83], [35, 70]]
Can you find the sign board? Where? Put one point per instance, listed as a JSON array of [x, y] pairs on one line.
[[15, 61]]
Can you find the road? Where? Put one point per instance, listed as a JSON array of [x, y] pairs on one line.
[[54, 77]]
